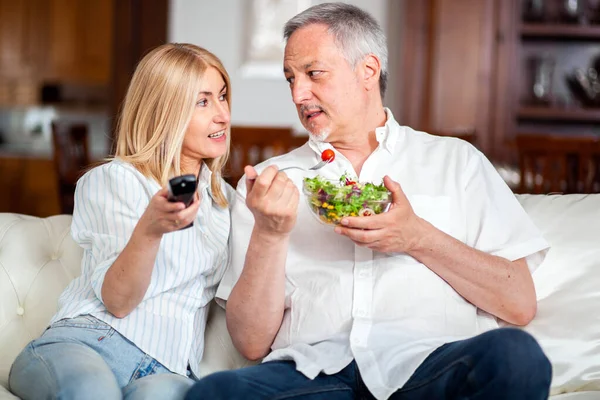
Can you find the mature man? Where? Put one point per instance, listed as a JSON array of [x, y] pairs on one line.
[[401, 305]]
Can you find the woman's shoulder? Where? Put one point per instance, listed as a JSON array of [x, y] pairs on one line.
[[114, 170]]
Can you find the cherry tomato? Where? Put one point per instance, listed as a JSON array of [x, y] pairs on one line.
[[366, 212], [327, 155]]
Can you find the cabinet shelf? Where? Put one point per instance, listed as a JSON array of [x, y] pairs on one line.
[[560, 31], [572, 115]]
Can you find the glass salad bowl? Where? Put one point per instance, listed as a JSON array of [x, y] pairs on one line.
[[331, 200]]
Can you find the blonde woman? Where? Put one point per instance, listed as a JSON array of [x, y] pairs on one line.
[[132, 325]]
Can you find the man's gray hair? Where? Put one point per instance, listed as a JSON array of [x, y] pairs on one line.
[[355, 31]]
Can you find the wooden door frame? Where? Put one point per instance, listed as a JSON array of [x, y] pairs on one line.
[[139, 25], [417, 68]]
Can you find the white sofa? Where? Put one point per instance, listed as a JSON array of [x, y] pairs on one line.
[[38, 258]]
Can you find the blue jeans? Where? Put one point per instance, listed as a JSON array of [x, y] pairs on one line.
[[84, 358], [500, 364]]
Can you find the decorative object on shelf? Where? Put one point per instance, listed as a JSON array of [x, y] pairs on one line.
[[571, 11], [585, 86], [534, 10], [541, 71], [593, 11]]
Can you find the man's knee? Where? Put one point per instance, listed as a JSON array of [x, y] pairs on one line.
[[519, 355], [219, 385]]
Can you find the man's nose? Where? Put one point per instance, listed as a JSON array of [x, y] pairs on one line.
[[301, 91]]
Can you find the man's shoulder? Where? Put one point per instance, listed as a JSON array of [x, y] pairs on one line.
[[429, 143]]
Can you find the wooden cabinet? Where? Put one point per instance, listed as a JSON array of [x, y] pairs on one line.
[[65, 41], [29, 186], [447, 66], [466, 65], [566, 47], [22, 49], [80, 45]]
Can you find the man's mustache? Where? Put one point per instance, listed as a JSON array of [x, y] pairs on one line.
[[310, 107]]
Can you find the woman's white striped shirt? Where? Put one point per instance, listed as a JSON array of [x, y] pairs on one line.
[[170, 321]]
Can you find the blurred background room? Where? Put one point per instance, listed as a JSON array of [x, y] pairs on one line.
[[519, 79]]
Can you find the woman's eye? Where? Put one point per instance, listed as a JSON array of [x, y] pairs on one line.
[[290, 80], [223, 97], [202, 103]]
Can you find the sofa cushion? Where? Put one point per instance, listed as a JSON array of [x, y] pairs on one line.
[[38, 259], [567, 323]]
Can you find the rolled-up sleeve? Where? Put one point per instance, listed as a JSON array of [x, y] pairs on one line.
[[496, 222], [109, 201]]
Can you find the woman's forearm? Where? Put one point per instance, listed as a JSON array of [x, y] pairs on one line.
[[127, 280]]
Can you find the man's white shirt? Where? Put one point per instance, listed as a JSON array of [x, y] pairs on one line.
[[387, 311]]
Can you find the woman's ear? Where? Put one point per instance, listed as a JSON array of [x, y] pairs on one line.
[[372, 71]]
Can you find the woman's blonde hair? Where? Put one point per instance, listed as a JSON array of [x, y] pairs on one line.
[[158, 107]]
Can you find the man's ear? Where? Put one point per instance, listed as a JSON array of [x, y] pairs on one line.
[[372, 71]]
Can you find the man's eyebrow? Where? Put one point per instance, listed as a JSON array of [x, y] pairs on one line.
[[207, 93], [305, 66]]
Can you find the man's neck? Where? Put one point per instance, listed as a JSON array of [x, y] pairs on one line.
[[358, 144]]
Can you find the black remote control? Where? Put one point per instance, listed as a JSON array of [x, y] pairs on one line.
[[182, 189]]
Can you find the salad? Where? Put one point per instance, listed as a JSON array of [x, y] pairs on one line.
[[331, 200]]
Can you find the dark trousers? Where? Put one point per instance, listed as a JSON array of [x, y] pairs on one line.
[[504, 363]]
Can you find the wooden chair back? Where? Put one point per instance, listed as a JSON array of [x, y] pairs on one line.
[[558, 164], [252, 145], [71, 157]]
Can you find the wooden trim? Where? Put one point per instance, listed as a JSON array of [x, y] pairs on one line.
[[414, 66], [573, 115], [429, 65], [560, 31], [139, 25], [506, 82], [487, 72]]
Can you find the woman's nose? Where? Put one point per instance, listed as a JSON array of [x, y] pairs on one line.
[[222, 115]]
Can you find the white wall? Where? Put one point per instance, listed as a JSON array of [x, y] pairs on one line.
[[219, 27]]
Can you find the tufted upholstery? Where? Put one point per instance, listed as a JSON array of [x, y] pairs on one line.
[[38, 259]]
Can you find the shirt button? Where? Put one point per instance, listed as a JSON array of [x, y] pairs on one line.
[[364, 273], [361, 313], [356, 341], [20, 311]]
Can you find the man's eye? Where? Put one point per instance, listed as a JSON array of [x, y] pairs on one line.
[[290, 80], [312, 74], [202, 103]]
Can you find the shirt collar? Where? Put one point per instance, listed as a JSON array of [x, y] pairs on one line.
[[204, 180], [386, 135]]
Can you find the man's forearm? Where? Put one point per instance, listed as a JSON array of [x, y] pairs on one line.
[[494, 284], [256, 304], [127, 280]]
